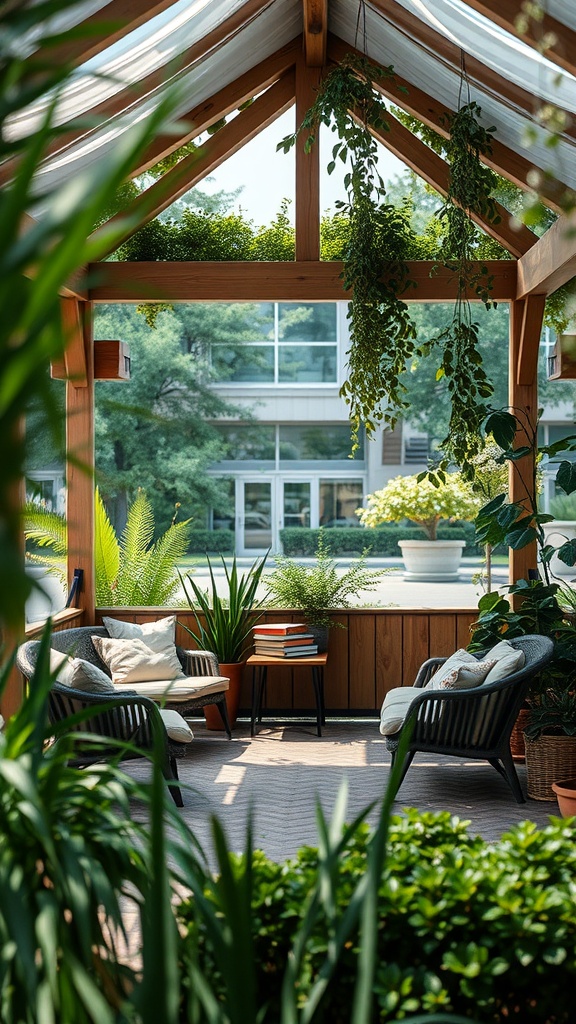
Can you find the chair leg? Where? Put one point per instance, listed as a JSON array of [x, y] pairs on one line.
[[505, 767], [171, 775], [223, 709], [407, 762]]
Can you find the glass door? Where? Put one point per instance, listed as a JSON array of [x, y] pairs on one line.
[[255, 519], [296, 503]]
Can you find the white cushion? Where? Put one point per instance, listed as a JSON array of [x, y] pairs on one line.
[[460, 657], [395, 708], [61, 664], [88, 677], [505, 666], [180, 690], [132, 661], [176, 726], [158, 635]]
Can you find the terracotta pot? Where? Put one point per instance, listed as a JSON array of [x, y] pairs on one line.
[[566, 796], [233, 672]]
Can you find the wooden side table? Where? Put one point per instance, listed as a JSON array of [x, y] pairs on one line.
[[259, 664]]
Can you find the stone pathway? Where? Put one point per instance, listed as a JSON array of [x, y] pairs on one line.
[[281, 773]]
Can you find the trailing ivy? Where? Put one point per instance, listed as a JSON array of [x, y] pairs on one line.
[[383, 337]]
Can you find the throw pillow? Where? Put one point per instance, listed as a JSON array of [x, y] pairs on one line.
[[88, 677], [460, 657], [462, 677], [158, 635], [395, 708], [61, 665], [505, 666], [176, 726], [132, 661]]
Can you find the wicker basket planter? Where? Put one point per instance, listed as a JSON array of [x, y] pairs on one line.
[[548, 759], [517, 748]]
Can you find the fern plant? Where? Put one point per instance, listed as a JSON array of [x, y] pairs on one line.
[[130, 570], [134, 569]]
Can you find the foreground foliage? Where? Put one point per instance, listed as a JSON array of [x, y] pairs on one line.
[[484, 930]]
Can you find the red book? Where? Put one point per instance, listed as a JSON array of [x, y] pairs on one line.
[[280, 628]]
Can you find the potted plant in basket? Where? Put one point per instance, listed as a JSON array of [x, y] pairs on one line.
[[316, 589], [550, 738], [224, 625], [418, 499]]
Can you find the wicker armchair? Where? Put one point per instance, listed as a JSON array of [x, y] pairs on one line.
[[133, 718], [474, 724]]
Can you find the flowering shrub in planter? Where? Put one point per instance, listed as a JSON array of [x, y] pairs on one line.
[[407, 497]]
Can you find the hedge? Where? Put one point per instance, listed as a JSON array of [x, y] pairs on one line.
[[484, 930], [297, 541], [210, 541]]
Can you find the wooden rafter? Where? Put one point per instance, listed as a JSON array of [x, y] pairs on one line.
[[450, 54], [529, 342], [307, 219], [251, 282], [222, 103], [435, 115], [315, 32], [106, 26], [426, 163], [191, 169], [521, 396], [561, 48], [551, 262], [127, 99]]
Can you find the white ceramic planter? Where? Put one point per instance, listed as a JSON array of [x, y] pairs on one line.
[[432, 561], [557, 533]]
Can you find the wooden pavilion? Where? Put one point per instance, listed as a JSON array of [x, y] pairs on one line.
[[222, 53]]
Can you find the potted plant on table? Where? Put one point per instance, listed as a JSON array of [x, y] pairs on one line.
[[315, 590], [419, 500], [224, 625]]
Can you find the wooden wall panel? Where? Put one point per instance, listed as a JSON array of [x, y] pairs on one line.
[[379, 649], [362, 661], [416, 644], [389, 654], [336, 675], [442, 635]]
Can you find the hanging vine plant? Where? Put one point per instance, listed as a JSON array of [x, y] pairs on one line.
[[469, 193], [383, 336]]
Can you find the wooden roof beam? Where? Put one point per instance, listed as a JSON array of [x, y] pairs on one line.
[[297, 281], [551, 262], [529, 342], [561, 38], [426, 163], [431, 112], [191, 169], [315, 32]]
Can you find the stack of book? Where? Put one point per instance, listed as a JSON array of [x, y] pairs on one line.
[[284, 640]]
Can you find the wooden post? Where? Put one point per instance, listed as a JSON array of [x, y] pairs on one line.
[[523, 397], [13, 634], [80, 457], [307, 169]]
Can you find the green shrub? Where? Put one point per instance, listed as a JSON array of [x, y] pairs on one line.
[[484, 930], [382, 541], [211, 541]]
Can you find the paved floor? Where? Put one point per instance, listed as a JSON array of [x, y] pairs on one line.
[[283, 771]]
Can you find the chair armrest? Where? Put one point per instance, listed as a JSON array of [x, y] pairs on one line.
[[427, 670], [200, 663]]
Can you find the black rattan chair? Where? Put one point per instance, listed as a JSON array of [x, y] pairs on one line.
[[474, 724], [133, 718]]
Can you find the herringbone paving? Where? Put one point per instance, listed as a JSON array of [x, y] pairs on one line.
[[281, 773]]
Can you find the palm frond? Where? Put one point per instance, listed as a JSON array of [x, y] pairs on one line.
[[46, 528]]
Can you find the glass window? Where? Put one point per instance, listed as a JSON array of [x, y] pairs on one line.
[[297, 503], [302, 364], [223, 517], [247, 442], [326, 442], [252, 364], [307, 322], [557, 432], [339, 500]]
